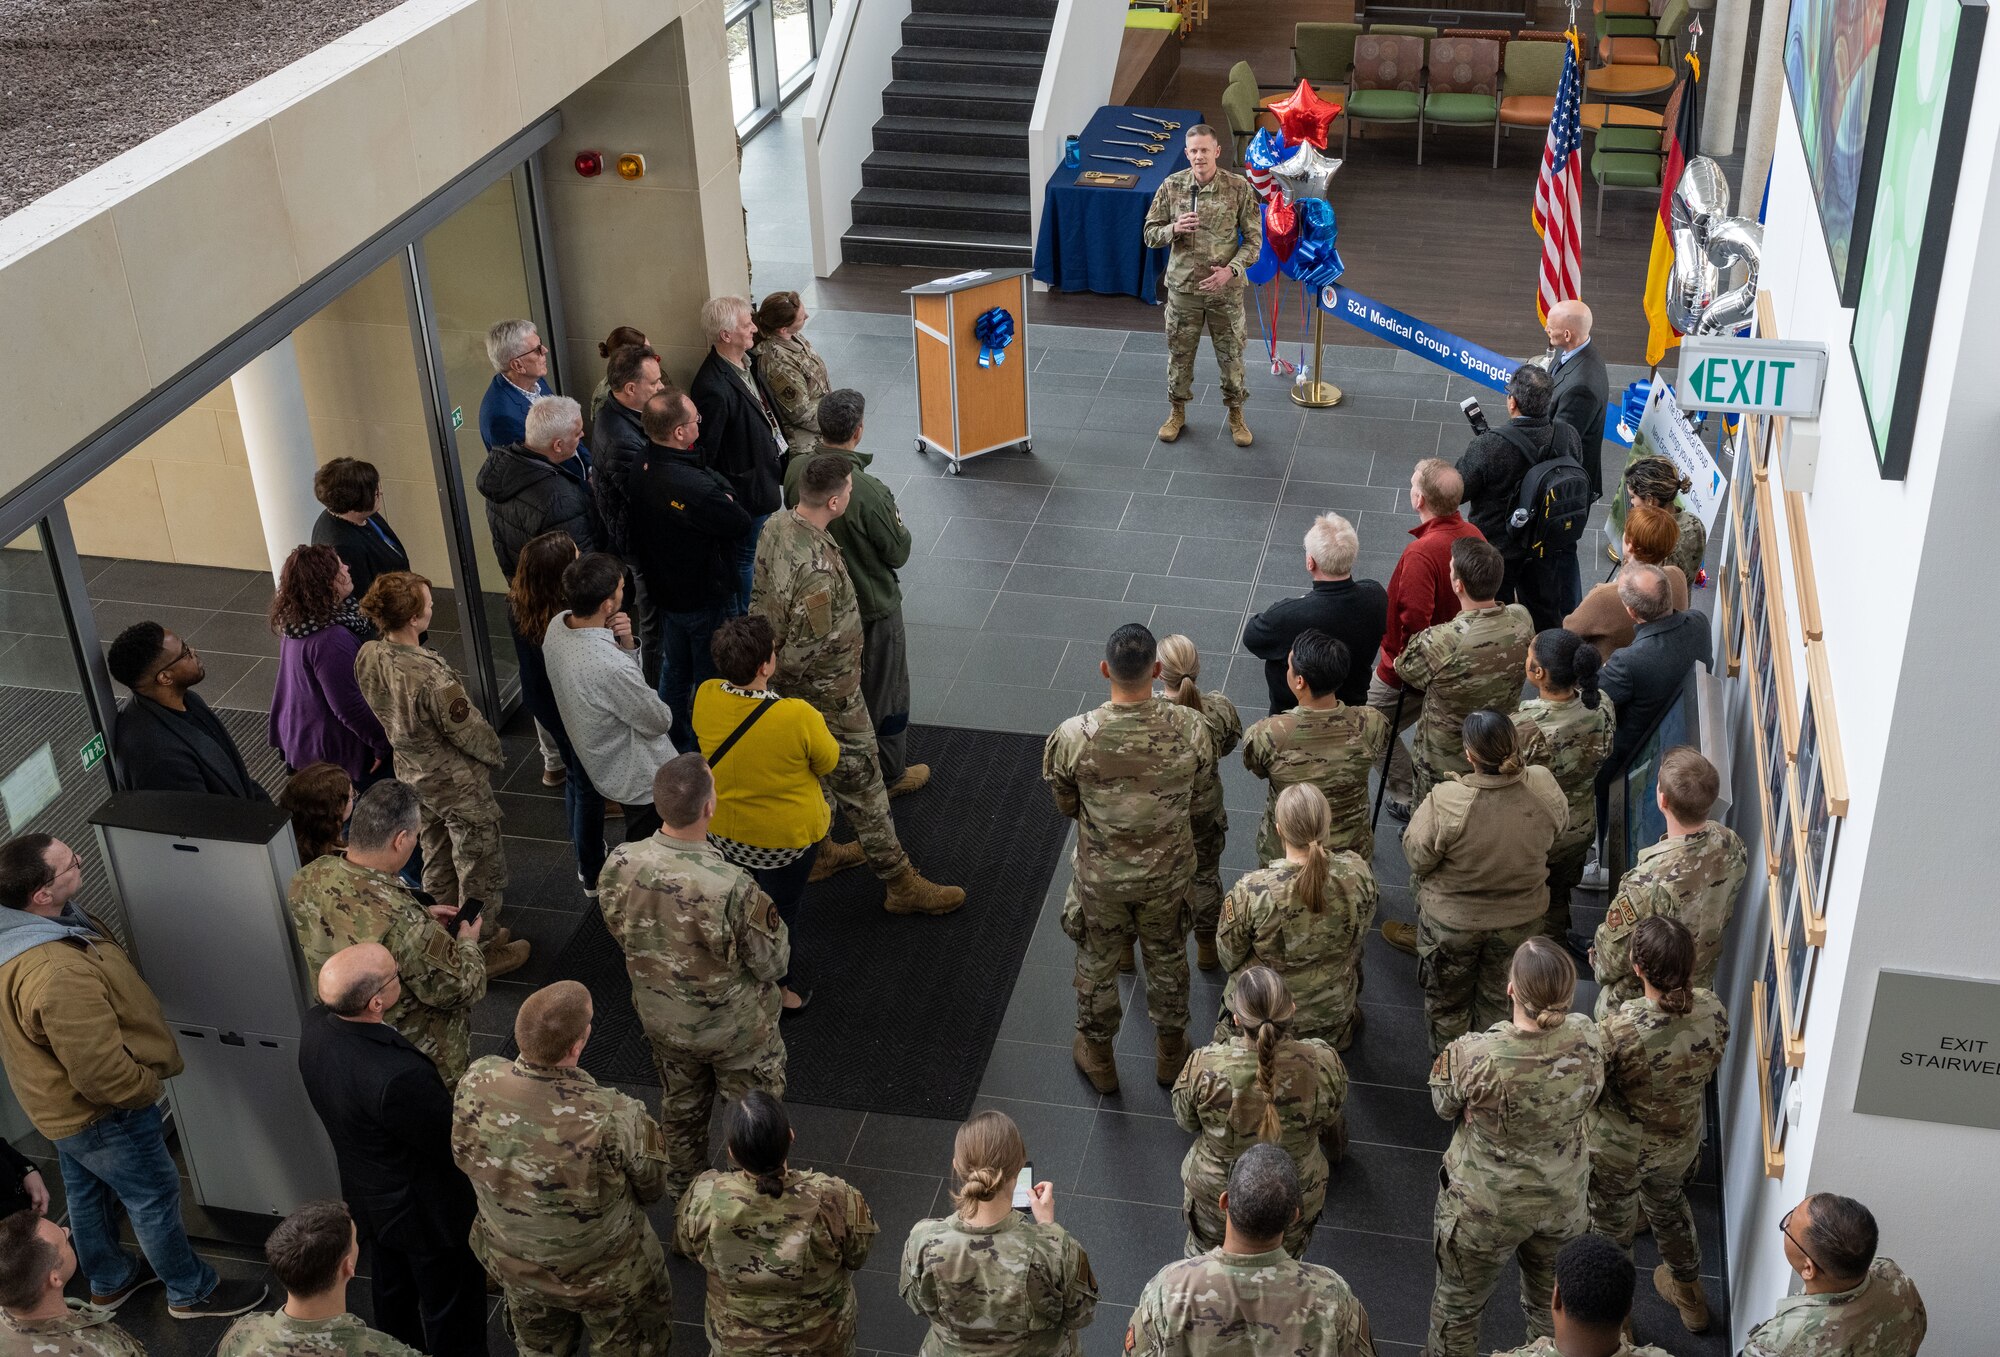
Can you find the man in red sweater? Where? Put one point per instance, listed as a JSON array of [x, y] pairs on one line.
[[1420, 595]]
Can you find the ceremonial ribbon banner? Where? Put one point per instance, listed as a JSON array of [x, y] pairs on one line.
[[1442, 347]]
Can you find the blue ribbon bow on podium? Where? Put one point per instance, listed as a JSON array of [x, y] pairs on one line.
[[995, 331]]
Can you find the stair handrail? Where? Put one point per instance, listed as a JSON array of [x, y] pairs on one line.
[[1076, 81], [855, 64]]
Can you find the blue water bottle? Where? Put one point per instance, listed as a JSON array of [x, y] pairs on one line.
[[1072, 153]]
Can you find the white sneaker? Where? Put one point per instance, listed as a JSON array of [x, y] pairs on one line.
[[588, 889]]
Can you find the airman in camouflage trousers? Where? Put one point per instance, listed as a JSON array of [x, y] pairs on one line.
[[1546, 1347], [705, 949], [1693, 878], [1333, 749], [1515, 1174], [1571, 741], [1473, 661], [1210, 1306], [561, 1168], [1265, 923], [276, 1334], [85, 1330], [1882, 1316], [1645, 1131], [1019, 1286], [780, 1268], [447, 751], [336, 903]]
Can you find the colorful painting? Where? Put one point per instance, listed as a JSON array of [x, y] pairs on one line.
[[1831, 51], [1935, 56]]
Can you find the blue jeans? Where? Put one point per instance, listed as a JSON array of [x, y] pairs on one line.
[[580, 799], [124, 1156], [746, 564], [686, 662]]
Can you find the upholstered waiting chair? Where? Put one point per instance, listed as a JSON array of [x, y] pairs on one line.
[[1528, 84], [1323, 54], [1464, 81], [1388, 83], [1631, 158], [1240, 106]]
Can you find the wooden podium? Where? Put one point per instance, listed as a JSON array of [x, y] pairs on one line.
[[964, 409]]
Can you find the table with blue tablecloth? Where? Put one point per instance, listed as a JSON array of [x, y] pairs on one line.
[[1091, 238]]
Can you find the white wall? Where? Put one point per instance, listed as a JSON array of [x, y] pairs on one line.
[[841, 109], [1076, 82], [1899, 567]]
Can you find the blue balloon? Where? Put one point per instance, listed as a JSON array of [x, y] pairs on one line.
[[1316, 261], [1266, 267]]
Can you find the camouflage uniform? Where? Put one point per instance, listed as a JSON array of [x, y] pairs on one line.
[[797, 378], [1331, 749], [1473, 661], [705, 949], [1210, 820], [1231, 232], [1229, 1304], [1264, 923], [444, 749], [1645, 1132], [336, 903], [1126, 773], [1218, 1098], [276, 1334], [1694, 879], [86, 1331], [778, 1267], [1546, 1347], [801, 587], [1515, 1175], [1570, 740], [1882, 1317], [1015, 1289], [561, 1168], [1691, 546]]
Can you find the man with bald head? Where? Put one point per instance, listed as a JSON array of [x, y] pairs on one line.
[[1582, 388], [389, 1117]]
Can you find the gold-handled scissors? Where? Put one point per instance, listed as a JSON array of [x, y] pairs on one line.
[[1154, 147], [1123, 160], [1149, 133], [1147, 117]]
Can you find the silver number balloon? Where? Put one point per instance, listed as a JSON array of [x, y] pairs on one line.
[[1712, 287]]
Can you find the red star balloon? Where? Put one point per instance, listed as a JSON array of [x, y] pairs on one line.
[[1305, 117]]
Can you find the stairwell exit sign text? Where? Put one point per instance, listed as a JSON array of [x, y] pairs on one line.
[[1750, 376]]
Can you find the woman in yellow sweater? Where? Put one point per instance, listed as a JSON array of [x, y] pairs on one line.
[[768, 754]]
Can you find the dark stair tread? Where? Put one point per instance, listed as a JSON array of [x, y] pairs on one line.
[[989, 23], [934, 235], [962, 164], [967, 202], [972, 56], [944, 89], [968, 127]]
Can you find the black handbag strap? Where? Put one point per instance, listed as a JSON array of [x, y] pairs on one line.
[[763, 705]]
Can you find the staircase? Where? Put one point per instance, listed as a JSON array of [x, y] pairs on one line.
[[947, 182]]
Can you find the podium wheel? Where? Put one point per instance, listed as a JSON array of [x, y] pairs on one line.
[[1027, 447], [951, 467], [923, 448]]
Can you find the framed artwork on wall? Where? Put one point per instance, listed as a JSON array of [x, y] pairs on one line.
[[1835, 69], [1770, 611], [1929, 57], [1773, 1077], [1805, 583]]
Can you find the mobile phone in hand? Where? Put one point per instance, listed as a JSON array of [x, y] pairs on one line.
[[466, 914], [1474, 416], [1024, 1189]]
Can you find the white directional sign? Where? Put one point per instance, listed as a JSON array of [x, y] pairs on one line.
[[1750, 376]]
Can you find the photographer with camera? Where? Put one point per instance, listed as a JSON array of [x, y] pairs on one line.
[[1528, 493]]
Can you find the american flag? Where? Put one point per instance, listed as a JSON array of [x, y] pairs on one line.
[[1558, 212]]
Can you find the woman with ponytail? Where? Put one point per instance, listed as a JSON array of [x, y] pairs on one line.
[[1180, 674], [779, 1244], [1263, 1085], [1567, 729], [1305, 917], [1516, 1176], [992, 1281], [1478, 849], [1660, 1051], [1657, 482]]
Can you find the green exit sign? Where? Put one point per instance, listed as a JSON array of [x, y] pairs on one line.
[[1750, 376], [458, 416], [92, 752]]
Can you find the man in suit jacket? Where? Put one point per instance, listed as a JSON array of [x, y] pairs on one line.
[[166, 739], [389, 1118], [1645, 678], [740, 434], [1581, 386]]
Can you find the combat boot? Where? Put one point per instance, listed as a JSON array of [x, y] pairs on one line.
[[1128, 960], [1401, 936], [1333, 1140], [1204, 951], [1359, 1021], [506, 958], [1094, 1058], [1239, 432], [1170, 1052], [1686, 1297], [1175, 423], [909, 893], [835, 857], [914, 777]]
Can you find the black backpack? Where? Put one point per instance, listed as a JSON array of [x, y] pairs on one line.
[[1554, 504]]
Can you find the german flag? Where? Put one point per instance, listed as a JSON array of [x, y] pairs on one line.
[[1681, 125]]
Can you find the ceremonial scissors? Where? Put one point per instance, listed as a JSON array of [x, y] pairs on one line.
[[1147, 117], [1149, 133], [1123, 159], [1152, 146]]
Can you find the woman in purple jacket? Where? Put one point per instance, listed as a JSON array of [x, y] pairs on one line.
[[317, 711]]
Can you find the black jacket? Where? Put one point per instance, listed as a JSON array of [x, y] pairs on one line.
[[1493, 469], [167, 751], [14, 1170], [685, 528], [1353, 612], [389, 1118], [1583, 389], [1645, 678], [736, 439], [366, 553], [528, 495], [618, 443]]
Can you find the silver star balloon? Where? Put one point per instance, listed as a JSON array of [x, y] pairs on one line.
[[1304, 174]]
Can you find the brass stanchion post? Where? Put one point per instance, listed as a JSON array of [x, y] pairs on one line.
[[1317, 394]]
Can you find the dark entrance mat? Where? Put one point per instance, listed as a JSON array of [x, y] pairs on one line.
[[904, 1010]]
